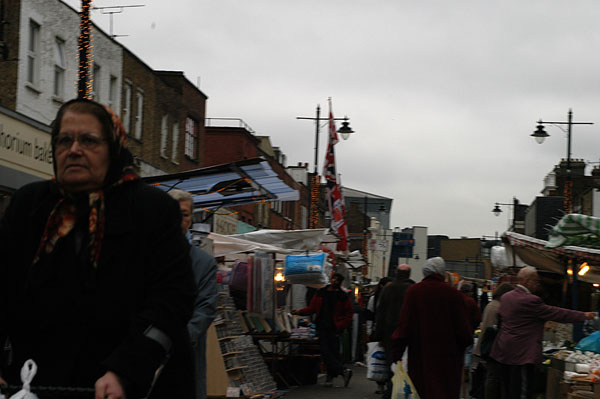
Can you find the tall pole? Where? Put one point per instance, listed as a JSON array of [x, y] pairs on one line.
[[317, 127], [84, 85], [569, 180], [314, 218]]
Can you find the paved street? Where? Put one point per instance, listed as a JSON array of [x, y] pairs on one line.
[[359, 388]]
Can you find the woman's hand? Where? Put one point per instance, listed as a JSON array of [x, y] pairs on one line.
[[109, 387]]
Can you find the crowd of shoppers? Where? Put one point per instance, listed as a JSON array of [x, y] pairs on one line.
[[102, 290]]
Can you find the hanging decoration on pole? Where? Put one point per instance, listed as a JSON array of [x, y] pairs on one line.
[[337, 208], [84, 82]]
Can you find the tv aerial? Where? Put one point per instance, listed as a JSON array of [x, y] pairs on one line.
[[111, 11]]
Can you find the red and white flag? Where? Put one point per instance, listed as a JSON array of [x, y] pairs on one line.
[[337, 207]]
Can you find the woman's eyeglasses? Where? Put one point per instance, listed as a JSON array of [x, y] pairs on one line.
[[85, 141]]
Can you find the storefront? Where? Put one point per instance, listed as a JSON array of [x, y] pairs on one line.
[[25, 153]]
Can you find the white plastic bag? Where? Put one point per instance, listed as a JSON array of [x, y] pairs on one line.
[[403, 387], [377, 369], [27, 373]]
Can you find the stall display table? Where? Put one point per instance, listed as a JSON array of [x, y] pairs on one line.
[[293, 361]]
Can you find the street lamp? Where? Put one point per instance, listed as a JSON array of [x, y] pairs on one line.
[[540, 135], [345, 131]]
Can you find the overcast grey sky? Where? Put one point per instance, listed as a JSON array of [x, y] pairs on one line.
[[442, 95]]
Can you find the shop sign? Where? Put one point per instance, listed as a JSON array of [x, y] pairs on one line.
[[25, 148], [225, 224]]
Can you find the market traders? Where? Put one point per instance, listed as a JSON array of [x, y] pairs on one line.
[[518, 345], [333, 309], [205, 307], [435, 328], [96, 284]]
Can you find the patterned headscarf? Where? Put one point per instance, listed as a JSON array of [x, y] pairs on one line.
[[121, 170]]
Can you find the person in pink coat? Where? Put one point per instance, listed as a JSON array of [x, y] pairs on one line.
[[518, 345]]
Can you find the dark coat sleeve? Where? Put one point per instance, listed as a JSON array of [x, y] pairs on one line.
[[402, 331], [19, 239], [168, 292], [344, 318], [313, 307]]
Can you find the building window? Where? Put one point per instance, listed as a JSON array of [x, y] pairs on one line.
[[139, 115], [164, 135], [33, 53], [112, 92], [191, 138], [96, 82], [175, 142], [60, 66], [127, 107]]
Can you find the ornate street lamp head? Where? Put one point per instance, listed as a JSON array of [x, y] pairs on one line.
[[540, 134]]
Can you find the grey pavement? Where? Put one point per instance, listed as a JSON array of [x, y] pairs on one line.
[[359, 388]]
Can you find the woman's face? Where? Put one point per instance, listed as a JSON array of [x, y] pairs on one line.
[[82, 154]]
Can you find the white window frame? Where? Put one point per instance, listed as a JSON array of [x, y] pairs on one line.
[[164, 136], [127, 89], [139, 114], [33, 53], [112, 91], [60, 66], [191, 137], [175, 142]]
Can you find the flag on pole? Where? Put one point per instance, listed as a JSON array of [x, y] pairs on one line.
[[337, 207]]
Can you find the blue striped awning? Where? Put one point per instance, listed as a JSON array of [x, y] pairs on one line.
[[237, 183]]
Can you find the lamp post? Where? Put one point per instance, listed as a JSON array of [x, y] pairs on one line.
[[497, 211], [540, 135], [345, 131]]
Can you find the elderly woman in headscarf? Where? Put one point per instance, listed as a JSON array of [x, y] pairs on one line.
[[435, 328], [96, 283]]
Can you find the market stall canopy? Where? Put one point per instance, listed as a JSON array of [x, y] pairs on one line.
[[229, 245], [576, 229], [535, 252], [238, 183], [306, 240]]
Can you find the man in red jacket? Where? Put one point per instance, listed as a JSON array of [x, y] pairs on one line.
[[333, 308], [518, 345]]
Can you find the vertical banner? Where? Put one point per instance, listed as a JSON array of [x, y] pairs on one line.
[[337, 208]]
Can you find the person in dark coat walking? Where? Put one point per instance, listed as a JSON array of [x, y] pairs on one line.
[[435, 328], [333, 309], [96, 284], [388, 315]]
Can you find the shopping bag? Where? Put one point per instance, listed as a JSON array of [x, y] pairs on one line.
[[27, 373], [403, 387], [487, 341], [590, 343], [377, 369]]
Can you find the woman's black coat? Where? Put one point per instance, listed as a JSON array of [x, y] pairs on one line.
[[77, 322]]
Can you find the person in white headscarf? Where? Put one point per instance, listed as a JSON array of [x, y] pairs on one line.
[[435, 328]]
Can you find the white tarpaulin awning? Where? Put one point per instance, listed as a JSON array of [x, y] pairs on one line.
[[229, 245], [302, 240]]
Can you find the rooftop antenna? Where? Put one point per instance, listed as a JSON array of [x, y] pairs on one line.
[[111, 10]]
